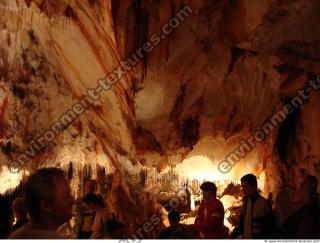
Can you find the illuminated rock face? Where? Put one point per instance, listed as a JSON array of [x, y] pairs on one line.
[[219, 77]]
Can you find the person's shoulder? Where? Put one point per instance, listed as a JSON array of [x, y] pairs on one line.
[[20, 233], [264, 202], [26, 232], [181, 226], [165, 234], [258, 197], [218, 202]]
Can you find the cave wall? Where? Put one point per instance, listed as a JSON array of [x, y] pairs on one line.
[[212, 82], [48, 64], [220, 76]]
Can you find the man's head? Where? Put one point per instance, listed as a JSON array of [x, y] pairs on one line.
[[301, 197], [209, 190], [310, 182], [307, 193], [249, 185], [174, 218], [19, 208], [48, 196], [92, 201]]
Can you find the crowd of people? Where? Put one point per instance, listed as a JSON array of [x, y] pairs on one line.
[[47, 203]]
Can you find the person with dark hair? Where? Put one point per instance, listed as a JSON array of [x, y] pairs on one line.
[[304, 221], [5, 217], [49, 202], [210, 216], [102, 214], [90, 200], [84, 217], [256, 220], [20, 213], [302, 224], [175, 230], [310, 185]]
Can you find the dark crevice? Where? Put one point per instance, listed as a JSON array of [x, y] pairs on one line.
[[236, 53], [68, 12], [288, 69], [190, 132], [18, 92], [286, 133], [8, 148], [299, 55], [136, 35], [146, 141], [143, 31]]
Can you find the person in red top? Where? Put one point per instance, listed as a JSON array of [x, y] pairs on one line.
[[210, 216]]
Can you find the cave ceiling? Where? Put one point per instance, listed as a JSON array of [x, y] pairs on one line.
[[210, 83]]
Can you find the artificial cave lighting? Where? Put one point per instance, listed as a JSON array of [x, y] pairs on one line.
[[202, 169], [9, 180]]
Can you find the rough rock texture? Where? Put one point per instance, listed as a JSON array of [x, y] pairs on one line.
[[211, 83]]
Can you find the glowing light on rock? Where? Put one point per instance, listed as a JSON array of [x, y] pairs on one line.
[[229, 202], [80, 158], [227, 214], [9, 180], [193, 206], [201, 168]]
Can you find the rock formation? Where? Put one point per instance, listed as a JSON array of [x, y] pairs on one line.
[[223, 73]]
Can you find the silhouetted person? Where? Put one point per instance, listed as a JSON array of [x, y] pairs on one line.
[[113, 229], [175, 230], [20, 212], [310, 185], [256, 220], [84, 217], [302, 224], [5, 218], [210, 216], [49, 201], [102, 214]]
